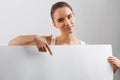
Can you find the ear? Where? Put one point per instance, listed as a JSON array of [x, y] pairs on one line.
[[54, 24]]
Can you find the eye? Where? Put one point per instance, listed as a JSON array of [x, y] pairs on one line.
[[60, 20], [69, 16]]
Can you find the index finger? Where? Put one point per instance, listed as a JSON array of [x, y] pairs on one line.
[[49, 49]]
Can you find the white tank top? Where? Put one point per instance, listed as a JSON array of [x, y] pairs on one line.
[[54, 39]]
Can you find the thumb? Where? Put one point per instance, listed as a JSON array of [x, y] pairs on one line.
[[49, 36]]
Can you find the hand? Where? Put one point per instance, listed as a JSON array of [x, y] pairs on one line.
[[42, 44], [115, 62]]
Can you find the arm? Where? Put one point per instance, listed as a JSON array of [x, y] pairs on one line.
[[42, 42], [115, 62], [23, 40]]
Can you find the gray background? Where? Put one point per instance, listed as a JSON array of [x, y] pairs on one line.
[[97, 21]]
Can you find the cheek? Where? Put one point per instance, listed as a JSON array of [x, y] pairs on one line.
[[55, 24], [73, 21], [59, 25]]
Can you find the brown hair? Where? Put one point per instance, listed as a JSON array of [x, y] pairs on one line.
[[59, 5]]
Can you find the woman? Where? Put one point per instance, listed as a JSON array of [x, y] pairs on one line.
[[63, 19]]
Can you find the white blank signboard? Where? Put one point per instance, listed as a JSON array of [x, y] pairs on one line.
[[73, 62]]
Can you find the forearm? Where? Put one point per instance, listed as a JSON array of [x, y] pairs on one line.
[[23, 40]]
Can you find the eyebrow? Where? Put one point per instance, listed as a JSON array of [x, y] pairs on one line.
[[62, 17], [59, 19], [70, 14]]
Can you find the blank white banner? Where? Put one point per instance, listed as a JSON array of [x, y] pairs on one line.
[[73, 62]]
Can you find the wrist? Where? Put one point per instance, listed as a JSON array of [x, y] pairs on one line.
[[35, 38]]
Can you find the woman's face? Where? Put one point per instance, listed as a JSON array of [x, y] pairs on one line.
[[64, 20]]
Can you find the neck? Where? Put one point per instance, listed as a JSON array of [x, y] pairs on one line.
[[67, 39]]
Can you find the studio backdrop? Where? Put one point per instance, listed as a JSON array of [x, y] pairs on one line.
[[97, 21]]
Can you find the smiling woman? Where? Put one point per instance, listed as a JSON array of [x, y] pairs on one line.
[[63, 19]]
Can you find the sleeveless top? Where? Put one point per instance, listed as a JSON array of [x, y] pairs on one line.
[[54, 39]]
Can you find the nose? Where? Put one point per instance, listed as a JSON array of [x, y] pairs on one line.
[[67, 22]]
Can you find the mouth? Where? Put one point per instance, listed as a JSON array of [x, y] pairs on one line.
[[69, 29]]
